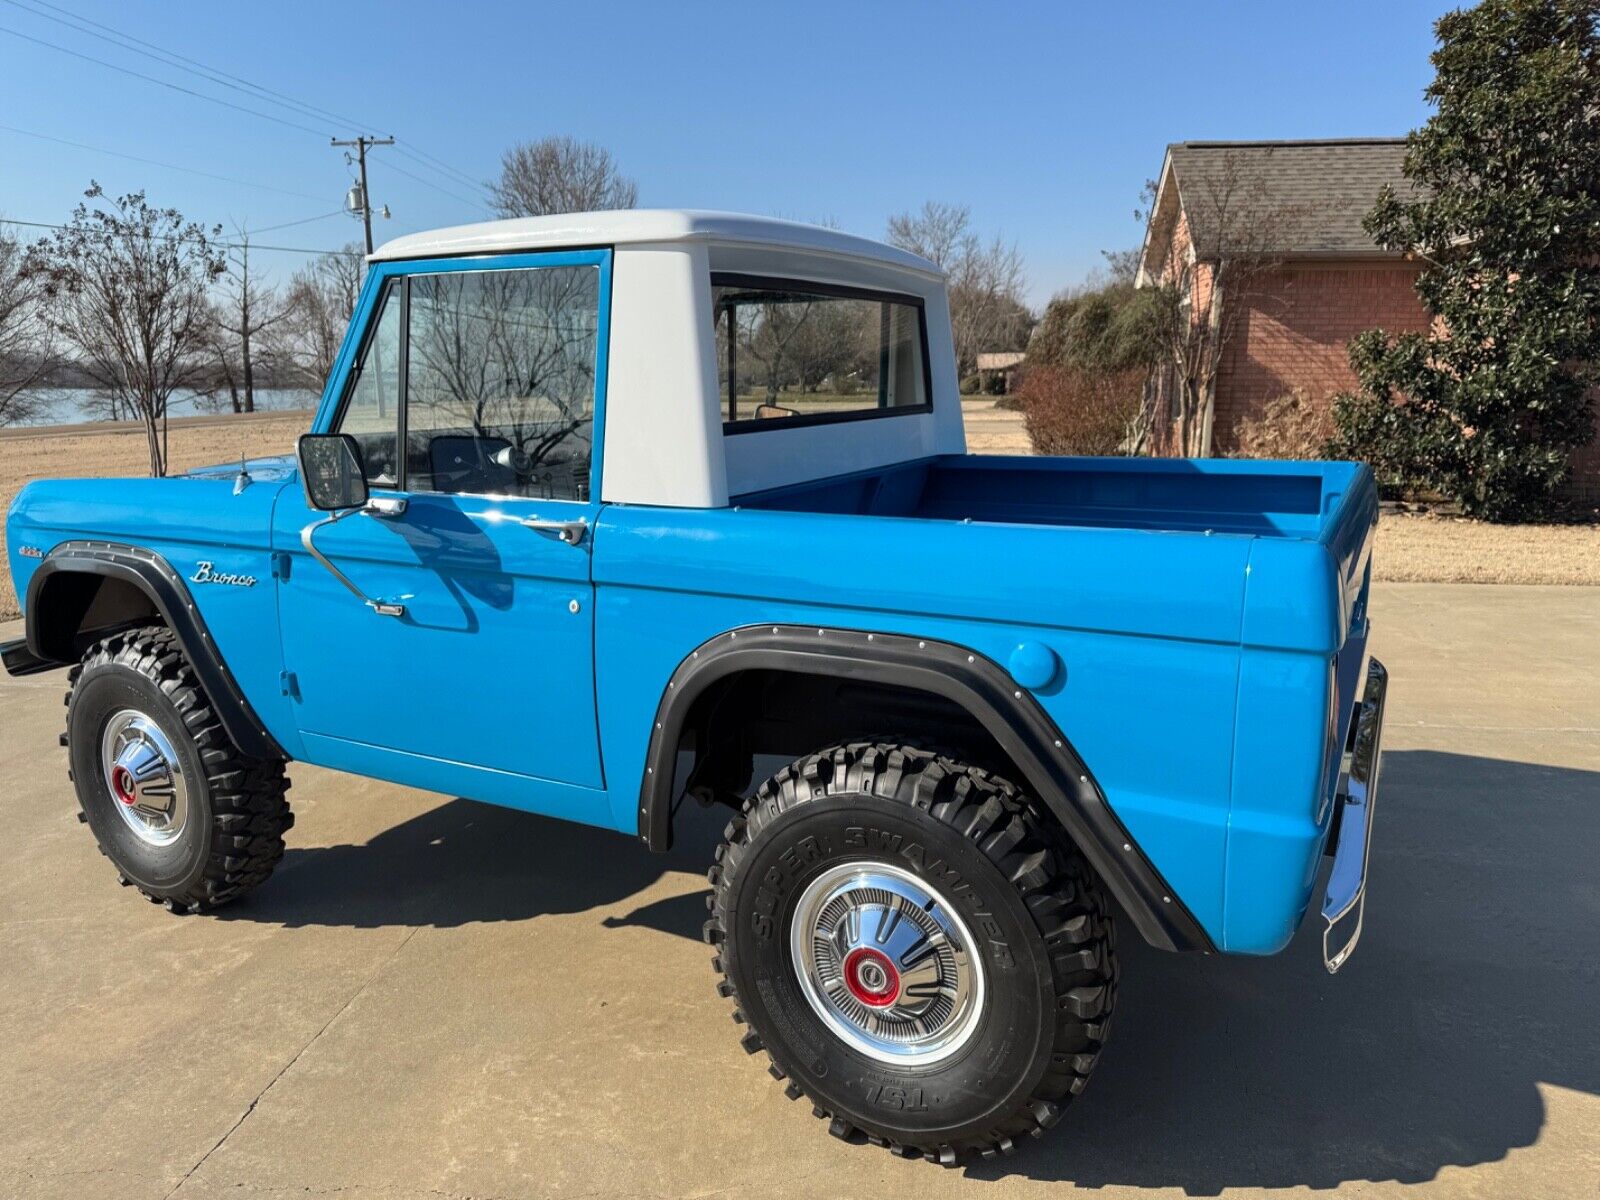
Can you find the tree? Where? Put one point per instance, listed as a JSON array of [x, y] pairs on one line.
[[245, 317], [1107, 326], [985, 283], [557, 175], [1504, 211], [1238, 230], [320, 301], [126, 288], [1089, 364], [27, 356]]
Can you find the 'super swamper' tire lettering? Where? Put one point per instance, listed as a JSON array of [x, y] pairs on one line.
[[1041, 945]]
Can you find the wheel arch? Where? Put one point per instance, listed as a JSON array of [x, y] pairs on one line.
[[85, 590], [1038, 752]]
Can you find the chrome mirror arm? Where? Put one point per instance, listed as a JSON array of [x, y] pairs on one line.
[[381, 507]]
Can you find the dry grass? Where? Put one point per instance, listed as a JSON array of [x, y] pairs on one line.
[[1410, 548], [1427, 549]]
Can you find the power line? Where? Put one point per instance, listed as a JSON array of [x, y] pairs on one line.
[[151, 162], [254, 112], [436, 187], [215, 75], [172, 58], [221, 245], [444, 169], [338, 212]]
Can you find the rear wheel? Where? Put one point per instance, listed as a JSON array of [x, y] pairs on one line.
[[914, 949], [183, 814]]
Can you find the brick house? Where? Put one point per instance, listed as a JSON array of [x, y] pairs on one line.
[[1302, 204], [1328, 281]]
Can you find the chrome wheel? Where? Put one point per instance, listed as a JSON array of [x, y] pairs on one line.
[[145, 777], [887, 963]]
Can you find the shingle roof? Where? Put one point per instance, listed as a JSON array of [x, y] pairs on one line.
[[1316, 191]]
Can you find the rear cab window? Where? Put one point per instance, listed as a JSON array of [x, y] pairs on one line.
[[793, 352]]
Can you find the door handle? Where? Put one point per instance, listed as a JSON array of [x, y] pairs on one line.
[[571, 532]]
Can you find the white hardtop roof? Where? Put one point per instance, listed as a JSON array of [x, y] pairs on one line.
[[621, 227]]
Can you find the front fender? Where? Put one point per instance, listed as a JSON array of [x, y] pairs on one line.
[[52, 630]]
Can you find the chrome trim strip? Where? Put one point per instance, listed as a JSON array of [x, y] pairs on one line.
[[1346, 898]]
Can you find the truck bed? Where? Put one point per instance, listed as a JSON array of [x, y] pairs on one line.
[[1266, 499]]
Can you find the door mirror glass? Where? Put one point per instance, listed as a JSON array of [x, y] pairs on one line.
[[331, 471]]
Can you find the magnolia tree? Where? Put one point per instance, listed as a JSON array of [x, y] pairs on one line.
[[1504, 212], [125, 286]]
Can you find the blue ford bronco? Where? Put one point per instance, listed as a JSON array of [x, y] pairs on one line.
[[604, 512]]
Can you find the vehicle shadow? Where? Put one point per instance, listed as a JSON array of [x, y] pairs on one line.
[[464, 863], [1475, 981]]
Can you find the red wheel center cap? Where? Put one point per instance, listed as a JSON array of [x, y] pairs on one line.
[[122, 785], [871, 977]]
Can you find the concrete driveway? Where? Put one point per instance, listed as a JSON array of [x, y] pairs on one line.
[[434, 998]]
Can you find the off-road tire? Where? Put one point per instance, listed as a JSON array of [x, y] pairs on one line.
[[233, 836], [1045, 939]]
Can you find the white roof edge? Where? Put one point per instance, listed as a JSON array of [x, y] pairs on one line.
[[641, 225]]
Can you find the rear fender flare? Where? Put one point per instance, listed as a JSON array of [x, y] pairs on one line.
[[1051, 767], [166, 590]]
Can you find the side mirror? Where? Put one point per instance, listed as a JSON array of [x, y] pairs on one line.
[[331, 471]]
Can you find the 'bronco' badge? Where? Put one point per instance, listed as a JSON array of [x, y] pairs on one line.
[[204, 573]]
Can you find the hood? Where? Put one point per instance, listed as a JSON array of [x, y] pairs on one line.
[[274, 468]]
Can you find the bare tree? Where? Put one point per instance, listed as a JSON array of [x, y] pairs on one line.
[[1235, 234], [244, 321], [940, 233], [320, 301], [126, 287], [559, 174], [986, 279], [27, 354]]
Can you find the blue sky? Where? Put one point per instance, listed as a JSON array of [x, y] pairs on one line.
[[1045, 119]]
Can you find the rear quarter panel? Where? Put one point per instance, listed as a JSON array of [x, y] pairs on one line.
[[1147, 696], [1197, 666]]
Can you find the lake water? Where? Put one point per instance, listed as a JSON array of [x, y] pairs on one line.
[[70, 406]]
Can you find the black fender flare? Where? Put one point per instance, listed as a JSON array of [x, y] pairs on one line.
[[1052, 769], [165, 588]]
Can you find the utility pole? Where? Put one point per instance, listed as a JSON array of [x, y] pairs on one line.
[[361, 144]]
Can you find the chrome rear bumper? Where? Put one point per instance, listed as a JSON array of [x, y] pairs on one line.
[[1345, 903]]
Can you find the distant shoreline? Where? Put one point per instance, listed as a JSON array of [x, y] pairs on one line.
[[92, 428]]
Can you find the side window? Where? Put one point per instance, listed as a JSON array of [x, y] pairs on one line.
[[372, 404], [501, 381]]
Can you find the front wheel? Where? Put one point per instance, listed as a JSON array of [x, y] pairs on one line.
[[914, 949], [183, 813]]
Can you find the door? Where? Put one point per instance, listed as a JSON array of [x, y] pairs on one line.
[[475, 395]]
